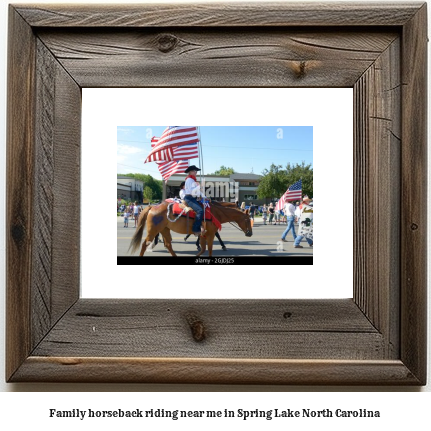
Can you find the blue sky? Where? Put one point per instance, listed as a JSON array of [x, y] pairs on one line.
[[245, 148]]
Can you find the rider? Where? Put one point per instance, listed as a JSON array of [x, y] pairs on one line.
[[192, 192], [182, 190]]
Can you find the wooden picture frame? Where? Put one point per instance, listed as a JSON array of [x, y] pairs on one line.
[[378, 337]]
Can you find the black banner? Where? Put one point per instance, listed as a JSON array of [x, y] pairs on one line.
[[234, 260]]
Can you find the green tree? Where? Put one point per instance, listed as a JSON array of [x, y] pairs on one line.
[[272, 185], [155, 185], [297, 172], [276, 180], [224, 171], [148, 193]]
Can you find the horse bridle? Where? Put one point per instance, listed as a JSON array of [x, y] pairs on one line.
[[237, 227]]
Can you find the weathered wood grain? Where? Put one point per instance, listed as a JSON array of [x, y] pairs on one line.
[[215, 371], [234, 329], [413, 195], [55, 268], [377, 148], [43, 194], [220, 14], [19, 195], [214, 57], [67, 195]]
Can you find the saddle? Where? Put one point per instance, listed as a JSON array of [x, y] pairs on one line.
[[184, 207], [178, 208]]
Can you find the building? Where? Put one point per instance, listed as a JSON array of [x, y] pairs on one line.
[[129, 188], [248, 184], [241, 187]]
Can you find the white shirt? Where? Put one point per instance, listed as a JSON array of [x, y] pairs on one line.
[[193, 188], [135, 209], [182, 194], [289, 209]]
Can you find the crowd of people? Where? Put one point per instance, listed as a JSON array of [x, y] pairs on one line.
[[299, 213], [131, 211]]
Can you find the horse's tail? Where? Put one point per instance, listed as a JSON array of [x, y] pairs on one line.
[[137, 237]]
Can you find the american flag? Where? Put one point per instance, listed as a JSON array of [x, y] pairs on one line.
[[174, 138], [185, 152], [173, 160], [292, 193], [167, 169]]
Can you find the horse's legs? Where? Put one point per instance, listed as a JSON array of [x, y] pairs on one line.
[[152, 233], [210, 240], [203, 246], [168, 241]]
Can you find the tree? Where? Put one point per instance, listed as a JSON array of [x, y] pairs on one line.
[[273, 184], [276, 180], [155, 185], [224, 171], [148, 193], [297, 172]]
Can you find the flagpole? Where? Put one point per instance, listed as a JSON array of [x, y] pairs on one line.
[[201, 156]]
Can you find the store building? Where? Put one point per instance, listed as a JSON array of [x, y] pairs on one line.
[[129, 188], [241, 187]]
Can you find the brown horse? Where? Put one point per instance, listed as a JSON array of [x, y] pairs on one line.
[[155, 218]]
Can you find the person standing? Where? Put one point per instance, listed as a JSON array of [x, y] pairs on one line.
[[277, 217], [271, 211], [297, 212], [136, 213], [252, 210], [305, 224], [126, 217], [264, 213], [289, 211]]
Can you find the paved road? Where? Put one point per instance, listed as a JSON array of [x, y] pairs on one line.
[[264, 242]]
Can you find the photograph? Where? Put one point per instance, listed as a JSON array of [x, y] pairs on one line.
[[240, 193]]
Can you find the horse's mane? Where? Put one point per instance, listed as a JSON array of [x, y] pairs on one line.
[[221, 205], [225, 208], [224, 204]]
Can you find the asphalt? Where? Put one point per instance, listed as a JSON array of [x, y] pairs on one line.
[[266, 241]]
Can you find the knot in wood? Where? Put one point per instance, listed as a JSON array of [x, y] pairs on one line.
[[300, 69], [197, 327], [18, 233], [287, 314], [414, 226], [167, 42]]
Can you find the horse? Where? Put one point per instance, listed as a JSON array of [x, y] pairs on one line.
[[155, 218]]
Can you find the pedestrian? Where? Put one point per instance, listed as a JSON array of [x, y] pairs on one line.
[[289, 210], [252, 210], [243, 207], [126, 217], [276, 217], [264, 213], [271, 211], [297, 212], [305, 224], [136, 213]]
